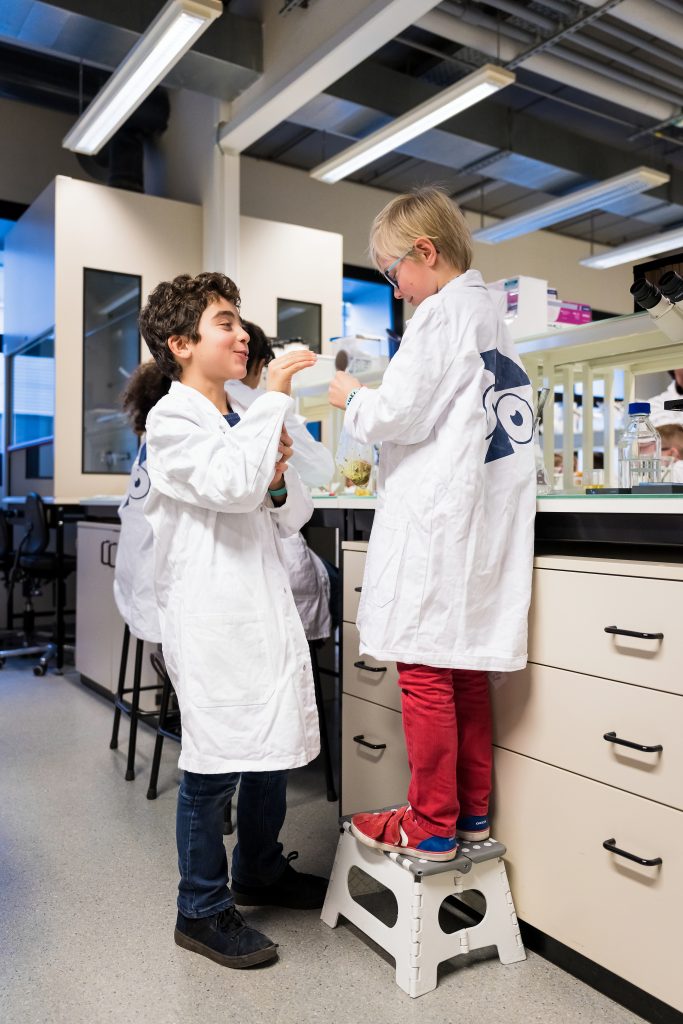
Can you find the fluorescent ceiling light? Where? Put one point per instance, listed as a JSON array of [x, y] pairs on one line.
[[602, 195], [176, 27], [636, 250], [449, 102]]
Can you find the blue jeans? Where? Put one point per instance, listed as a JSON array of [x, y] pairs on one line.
[[257, 858]]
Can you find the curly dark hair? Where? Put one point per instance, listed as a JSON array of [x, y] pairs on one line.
[[259, 345], [176, 307], [145, 386]]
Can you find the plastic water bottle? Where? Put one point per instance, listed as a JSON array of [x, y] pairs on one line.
[[640, 448]]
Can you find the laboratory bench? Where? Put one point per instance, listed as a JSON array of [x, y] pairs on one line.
[[588, 760]]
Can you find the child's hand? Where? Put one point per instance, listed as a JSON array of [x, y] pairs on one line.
[[341, 386], [284, 454], [282, 369]]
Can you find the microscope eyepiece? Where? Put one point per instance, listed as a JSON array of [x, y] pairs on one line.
[[671, 285], [646, 294]]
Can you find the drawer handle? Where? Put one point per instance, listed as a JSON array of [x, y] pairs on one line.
[[634, 632], [358, 589], [612, 737], [369, 668], [610, 844], [364, 743]]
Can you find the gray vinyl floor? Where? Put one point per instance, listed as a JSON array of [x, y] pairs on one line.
[[87, 900]]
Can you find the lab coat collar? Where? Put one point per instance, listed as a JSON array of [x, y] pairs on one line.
[[196, 398]]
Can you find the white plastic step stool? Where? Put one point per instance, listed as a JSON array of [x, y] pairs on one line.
[[416, 941]]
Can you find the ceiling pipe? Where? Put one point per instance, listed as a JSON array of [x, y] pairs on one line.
[[584, 41], [460, 31], [648, 17]]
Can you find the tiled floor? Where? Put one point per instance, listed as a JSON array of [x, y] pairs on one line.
[[87, 901]]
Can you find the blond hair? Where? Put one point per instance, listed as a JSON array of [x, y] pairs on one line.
[[424, 213], [672, 436]]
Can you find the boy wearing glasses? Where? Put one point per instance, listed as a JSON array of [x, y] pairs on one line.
[[448, 574]]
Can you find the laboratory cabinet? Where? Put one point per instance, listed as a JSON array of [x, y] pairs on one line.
[[99, 627], [587, 758]]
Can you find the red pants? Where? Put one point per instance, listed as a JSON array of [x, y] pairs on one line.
[[447, 725]]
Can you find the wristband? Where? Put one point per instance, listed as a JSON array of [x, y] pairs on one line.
[[278, 493], [352, 394]]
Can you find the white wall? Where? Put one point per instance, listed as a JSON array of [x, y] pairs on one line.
[[288, 261], [284, 193], [106, 229]]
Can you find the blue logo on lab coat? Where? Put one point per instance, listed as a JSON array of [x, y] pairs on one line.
[[139, 480], [509, 417]]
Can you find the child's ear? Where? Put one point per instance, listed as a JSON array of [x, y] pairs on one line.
[[180, 346], [426, 248]]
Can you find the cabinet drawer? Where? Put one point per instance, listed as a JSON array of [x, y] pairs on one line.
[[562, 717], [372, 778], [369, 683], [354, 566], [620, 914], [569, 613]]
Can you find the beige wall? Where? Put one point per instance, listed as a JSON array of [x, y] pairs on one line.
[[106, 229], [284, 193], [289, 262]]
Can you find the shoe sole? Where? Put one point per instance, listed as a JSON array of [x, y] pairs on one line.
[[408, 851], [259, 956], [473, 837]]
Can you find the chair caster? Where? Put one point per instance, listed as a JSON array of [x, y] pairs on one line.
[[114, 745], [151, 794], [39, 670], [130, 775]]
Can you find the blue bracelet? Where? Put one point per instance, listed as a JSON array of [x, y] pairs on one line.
[[278, 493], [352, 394]]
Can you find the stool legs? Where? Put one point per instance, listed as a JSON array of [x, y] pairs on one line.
[[159, 743], [119, 690], [324, 740], [134, 707]]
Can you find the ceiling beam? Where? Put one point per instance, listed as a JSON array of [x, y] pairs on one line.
[[305, 51]]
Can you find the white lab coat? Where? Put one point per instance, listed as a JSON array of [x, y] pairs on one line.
[[658, 414], [134, 571], [313, 462], [232, 639], [448, 573]]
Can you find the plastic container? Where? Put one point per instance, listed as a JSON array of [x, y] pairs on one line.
[[639, 451]]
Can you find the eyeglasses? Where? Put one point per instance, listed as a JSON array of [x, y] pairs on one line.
[[391, 278]]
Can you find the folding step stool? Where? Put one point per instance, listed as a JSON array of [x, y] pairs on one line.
[[416, 941]]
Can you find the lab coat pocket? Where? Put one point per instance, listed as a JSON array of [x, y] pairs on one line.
[[385, 554], [227, 660]]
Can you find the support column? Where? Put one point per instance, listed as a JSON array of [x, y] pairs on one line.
[[221, 204]]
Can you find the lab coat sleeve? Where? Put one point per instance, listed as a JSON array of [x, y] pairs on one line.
[[222, 471], [311, 459], [297, 509], [420, 382]]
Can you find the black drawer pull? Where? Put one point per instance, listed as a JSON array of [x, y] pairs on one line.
[[369, 668], [364, 743], [609, 844], [634, 632], [358, 589], [612, 737]]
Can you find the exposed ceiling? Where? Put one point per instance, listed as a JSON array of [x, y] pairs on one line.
[[599, 90]]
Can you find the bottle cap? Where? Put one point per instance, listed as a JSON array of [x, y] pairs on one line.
[[638, 408]]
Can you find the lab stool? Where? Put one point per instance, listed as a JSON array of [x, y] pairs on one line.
[[130, 707], [416, 941]]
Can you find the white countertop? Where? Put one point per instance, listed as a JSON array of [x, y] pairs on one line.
[[608, 503]]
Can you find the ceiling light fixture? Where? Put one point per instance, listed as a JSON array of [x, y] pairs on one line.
[[637, 249], [602, 195], [447, 103], [176, 27]]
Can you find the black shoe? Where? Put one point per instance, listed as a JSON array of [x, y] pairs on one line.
[[224, 938], [292, 889]]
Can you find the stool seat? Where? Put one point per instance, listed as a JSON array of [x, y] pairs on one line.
[[416, 941]]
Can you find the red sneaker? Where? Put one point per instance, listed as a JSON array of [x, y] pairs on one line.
[[398, 831]]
